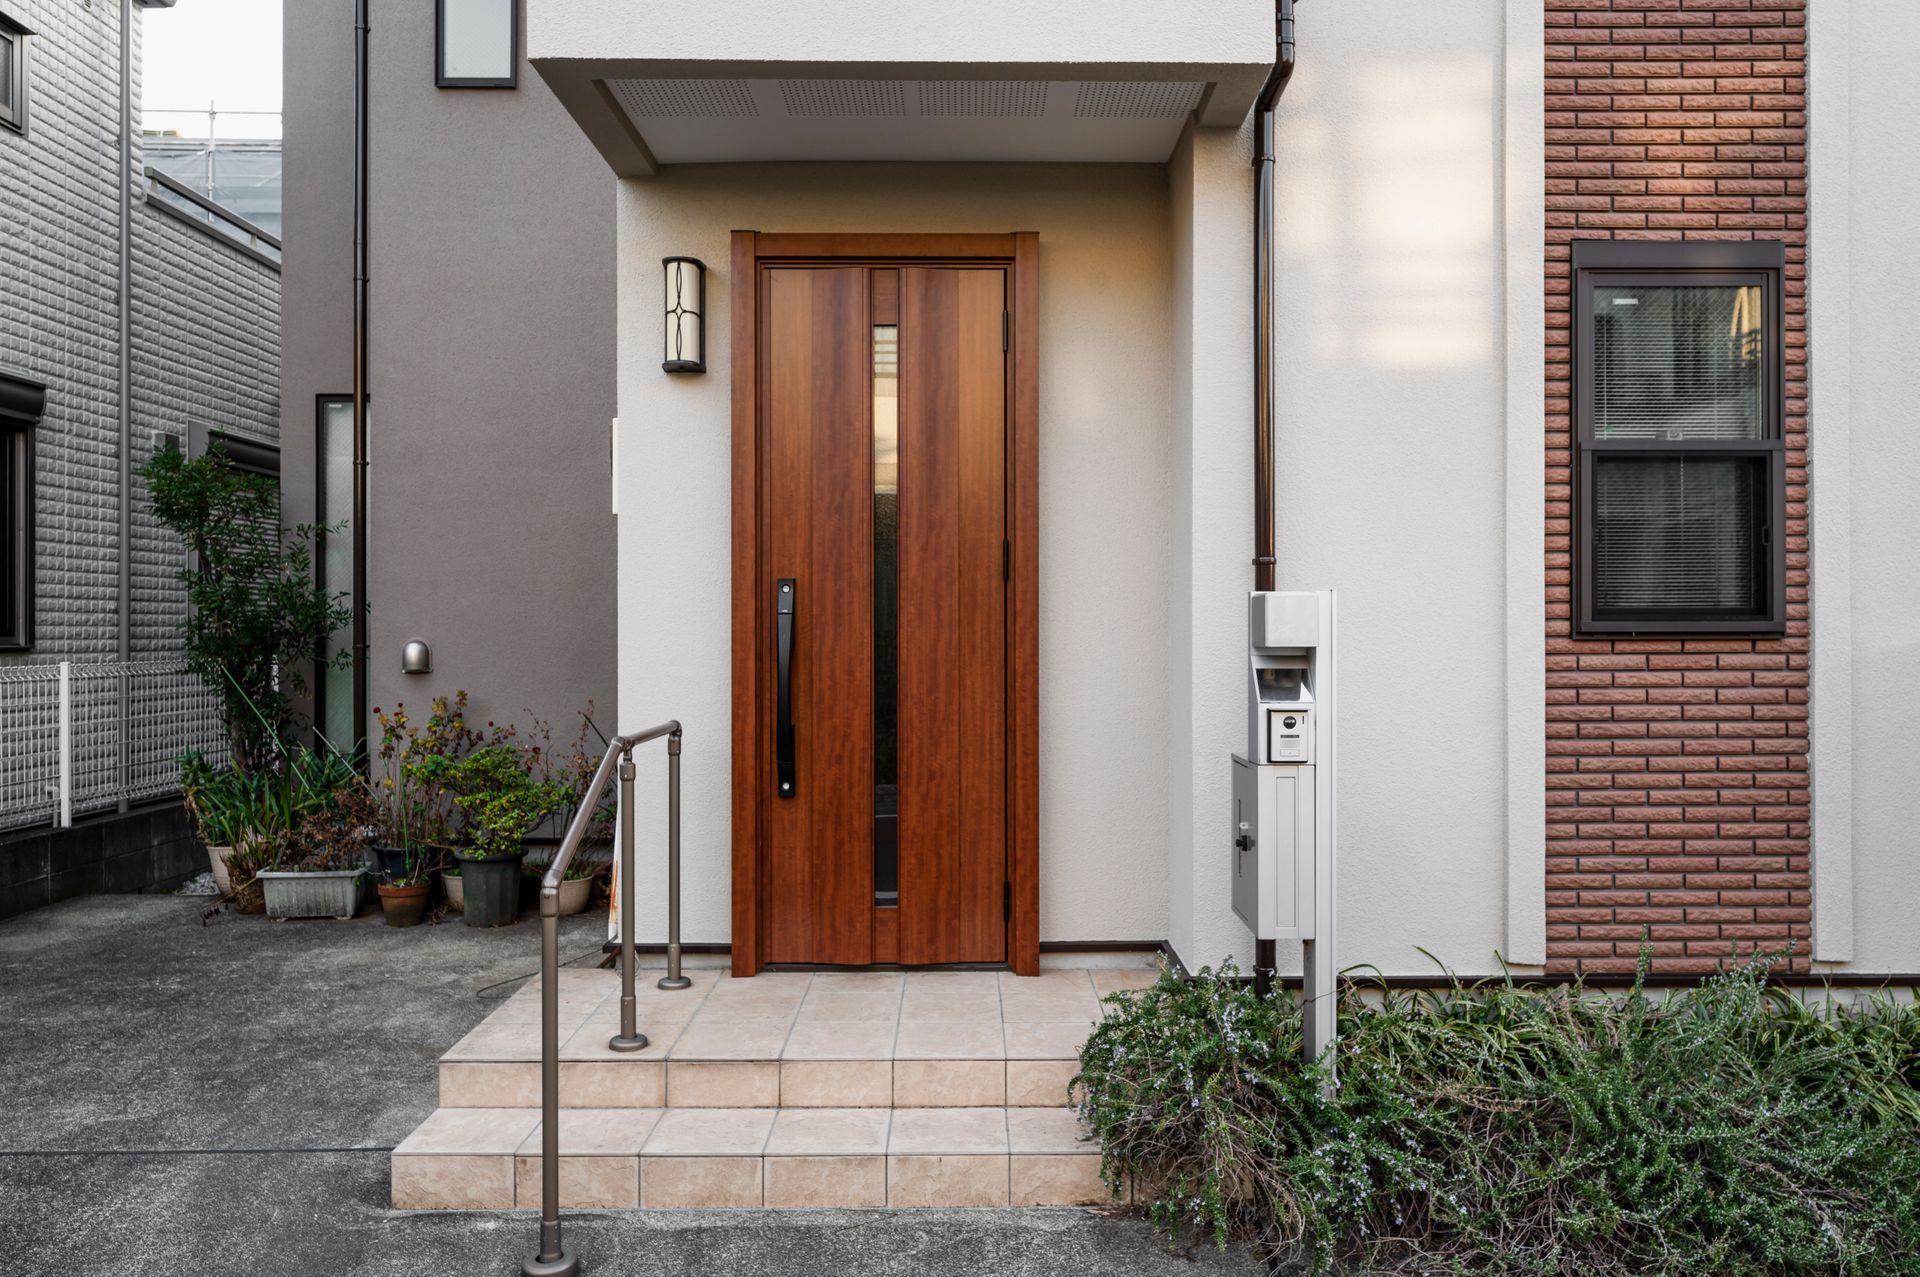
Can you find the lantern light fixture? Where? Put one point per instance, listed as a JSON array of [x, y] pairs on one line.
[[686, 314]]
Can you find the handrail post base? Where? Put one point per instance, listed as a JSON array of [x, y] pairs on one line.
[[568, 1265], [675, 982], [618, 1042]]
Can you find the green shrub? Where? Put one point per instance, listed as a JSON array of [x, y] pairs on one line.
[[1725, 1129]]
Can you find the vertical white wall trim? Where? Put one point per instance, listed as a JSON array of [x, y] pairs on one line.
[[1523, 169], [1830, 390]]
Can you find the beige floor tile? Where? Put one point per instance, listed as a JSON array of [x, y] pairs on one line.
[[589, 1042], [710, 1133], [1039, 1007], [950, 1040], [776, 995], [494, 1041], [1060, 980], [801, 1183], [948, 1130], [700, 1182], [1124, 979], [723, 1084], [1056, 1180], [822, 1132], [705, 1039], [858, 982], [1047, 1040], [1057, 1130], [882, 1006], [612, 1084], [586, 1183], [451, 1182], [591, 1132], [1040, 1083], [951, 995], [949, 1083], [492, 1085], [470, 1130], [836, 1083], [839, 1040], [923, 1180]]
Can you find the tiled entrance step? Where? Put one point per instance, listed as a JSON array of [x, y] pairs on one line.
[[856, 1040], [489, 1159], [784, 1090]]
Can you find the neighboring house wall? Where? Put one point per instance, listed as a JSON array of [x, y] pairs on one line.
[[1677, 770], [59, 249], [491, 364], [1864, 114]]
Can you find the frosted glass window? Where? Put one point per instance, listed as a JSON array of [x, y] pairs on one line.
[[478, 43]]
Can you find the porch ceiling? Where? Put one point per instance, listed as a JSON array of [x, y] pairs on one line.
[[770, 80]]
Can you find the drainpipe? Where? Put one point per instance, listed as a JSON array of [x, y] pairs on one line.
[[1263, 544], [360, 163], [124, 179]]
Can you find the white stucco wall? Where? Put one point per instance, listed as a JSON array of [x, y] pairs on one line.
[[1105, 411], [1392, 458], [1863, 111]]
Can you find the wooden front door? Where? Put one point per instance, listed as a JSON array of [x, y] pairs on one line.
[[882, 570]]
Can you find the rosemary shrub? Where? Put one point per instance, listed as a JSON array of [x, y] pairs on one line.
[[1728, 1128]]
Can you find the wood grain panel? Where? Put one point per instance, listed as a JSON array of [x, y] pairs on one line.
[[747, 626], [1023, 607], [837, 621], [788, 410], [952, 616]]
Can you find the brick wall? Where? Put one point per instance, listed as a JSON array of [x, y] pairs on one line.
[[1677, 769]]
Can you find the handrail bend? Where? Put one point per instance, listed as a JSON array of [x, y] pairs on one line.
[[554, 1259]]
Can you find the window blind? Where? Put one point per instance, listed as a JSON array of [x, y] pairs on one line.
[[1676, 533], [1677, 363]]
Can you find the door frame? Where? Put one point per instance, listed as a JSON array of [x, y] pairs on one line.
[[1019, 255]]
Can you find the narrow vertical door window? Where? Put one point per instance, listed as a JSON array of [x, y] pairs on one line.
[[886, 614], [333, 690]]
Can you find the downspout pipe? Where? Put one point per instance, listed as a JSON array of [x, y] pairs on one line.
[[1264, 956], [361, 644], [124, 180], [1263, 116]]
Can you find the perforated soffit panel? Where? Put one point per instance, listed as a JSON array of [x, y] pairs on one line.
[[716, 121]]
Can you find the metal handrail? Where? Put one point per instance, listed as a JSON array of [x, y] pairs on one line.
[[553, 1259]]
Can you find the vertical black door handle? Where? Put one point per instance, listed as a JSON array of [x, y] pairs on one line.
[[783, 723]]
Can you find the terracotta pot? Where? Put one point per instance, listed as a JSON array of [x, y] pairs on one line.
[[404, 906], [222, 876], [574, 894], [456, 892]]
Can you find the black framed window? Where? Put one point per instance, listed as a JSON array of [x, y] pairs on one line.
[[476, 44], [13, 74], [21, 403], [1680, 463]]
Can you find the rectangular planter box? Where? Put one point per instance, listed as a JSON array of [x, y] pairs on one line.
[[333, 893]]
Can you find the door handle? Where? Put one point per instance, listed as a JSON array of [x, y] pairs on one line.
[[783, 722]]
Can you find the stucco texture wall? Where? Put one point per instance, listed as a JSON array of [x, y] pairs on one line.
[[1390, 460], [1105, 408], [1863, 114]]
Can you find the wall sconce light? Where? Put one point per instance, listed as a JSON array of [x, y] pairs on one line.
[[416, 657], [686, 281]]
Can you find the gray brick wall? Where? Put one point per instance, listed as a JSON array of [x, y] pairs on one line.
[[206, 333]]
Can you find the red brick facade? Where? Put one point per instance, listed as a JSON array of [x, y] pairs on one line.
[[1677, 783]]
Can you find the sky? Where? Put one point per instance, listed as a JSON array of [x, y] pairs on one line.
[[224, 52]]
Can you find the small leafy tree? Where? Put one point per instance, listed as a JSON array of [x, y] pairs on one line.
[[256, 617]]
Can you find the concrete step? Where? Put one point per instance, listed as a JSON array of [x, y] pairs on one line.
[[747, 1157]]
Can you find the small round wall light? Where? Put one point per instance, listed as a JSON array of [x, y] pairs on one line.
[[416, 657], [686, 336]]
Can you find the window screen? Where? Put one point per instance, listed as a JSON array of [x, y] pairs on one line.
[[1681, 463]]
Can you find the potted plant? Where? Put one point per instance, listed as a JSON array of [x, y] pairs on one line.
[[419, 821], [217, 801], [318, 868], [504, 802], [452, 884], [403, 896], [576, 885]]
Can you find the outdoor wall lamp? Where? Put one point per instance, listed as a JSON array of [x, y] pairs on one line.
[[686, 347], [416, 657]]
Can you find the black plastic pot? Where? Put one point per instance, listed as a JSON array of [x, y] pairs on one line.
[[492, 889]]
